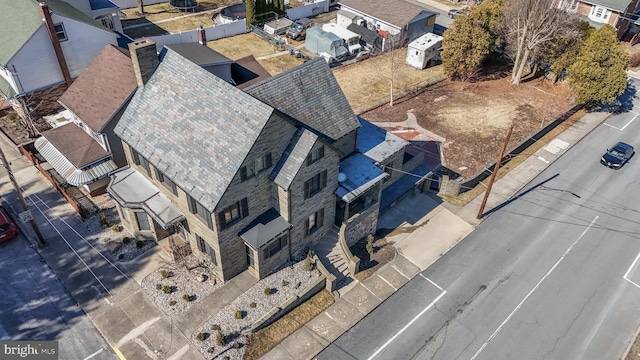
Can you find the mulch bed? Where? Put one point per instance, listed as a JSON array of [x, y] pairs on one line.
[[383, 252]]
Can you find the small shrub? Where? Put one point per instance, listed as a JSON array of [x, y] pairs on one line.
[[253, 305], [634, 60], [103, 221], [116, 228], [267, 291], [164, 274], [369, 246], [139, 244], [172, 302], [158, 286], [202, 336], [308, 263], [239, 314], [126, 240], [215, 327], [285, 283], [186, 297], [220, 338], [167, 289]]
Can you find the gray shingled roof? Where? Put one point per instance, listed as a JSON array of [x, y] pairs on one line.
[[193, 126], [294, 156], [310, 94], [619, 5], [396, 12]]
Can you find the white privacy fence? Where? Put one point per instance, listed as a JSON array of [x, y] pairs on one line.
[[191, 36]]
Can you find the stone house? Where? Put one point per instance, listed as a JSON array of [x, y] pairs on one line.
[[247, 178]]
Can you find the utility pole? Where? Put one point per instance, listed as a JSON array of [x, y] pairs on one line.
[[24, 203], [495, 172]]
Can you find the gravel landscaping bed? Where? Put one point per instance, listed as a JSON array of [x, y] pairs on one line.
[[251, 306], [186, 287]]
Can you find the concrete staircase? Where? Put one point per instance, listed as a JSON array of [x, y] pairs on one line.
[[330, 254]]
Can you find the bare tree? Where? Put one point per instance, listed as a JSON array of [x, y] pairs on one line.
[[530, 24], [394, 45]]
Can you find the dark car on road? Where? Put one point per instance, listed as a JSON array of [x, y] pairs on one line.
[[8, 229], [617, 156]]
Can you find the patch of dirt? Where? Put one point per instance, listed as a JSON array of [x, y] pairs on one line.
[[15, 129], [383, 252], [475, 119]]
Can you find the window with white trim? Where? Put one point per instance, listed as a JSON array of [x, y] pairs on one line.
[[599, 13]]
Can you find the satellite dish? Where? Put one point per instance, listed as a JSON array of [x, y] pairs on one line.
[[342, 177]]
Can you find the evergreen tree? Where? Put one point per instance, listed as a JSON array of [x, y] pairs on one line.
[[465, 45], [599, 74], [250, 11]]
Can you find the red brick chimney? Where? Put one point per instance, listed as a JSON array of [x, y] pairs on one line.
[[202, 36], [46, 15], [145, 59]]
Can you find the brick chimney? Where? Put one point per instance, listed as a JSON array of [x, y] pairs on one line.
[[57, 49], [145, 59], [202, 36]]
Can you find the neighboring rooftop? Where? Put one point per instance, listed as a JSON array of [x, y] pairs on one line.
[[208, 127], [76, 145], [102, 89], [360, 174], [19, 20], [618, 5], [396, 12], [306, 91], [247, 71], [200, 54]]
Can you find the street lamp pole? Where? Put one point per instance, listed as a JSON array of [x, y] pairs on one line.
[[25, 207]]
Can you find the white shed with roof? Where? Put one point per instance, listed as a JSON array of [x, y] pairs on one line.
[[423, 49]]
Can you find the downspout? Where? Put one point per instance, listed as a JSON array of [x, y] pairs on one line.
[[44, 9]]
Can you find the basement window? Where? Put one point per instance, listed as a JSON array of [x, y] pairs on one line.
[[60, 33]]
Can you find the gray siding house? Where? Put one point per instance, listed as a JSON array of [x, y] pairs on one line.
[[246, 178]]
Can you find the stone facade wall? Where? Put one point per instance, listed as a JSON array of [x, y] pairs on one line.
[[302, 208], [363, 225], [258, 190], [346, 144]]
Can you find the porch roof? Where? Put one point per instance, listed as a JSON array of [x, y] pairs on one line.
[[132, 190], [76, 176], [265, 227], [358, 174]]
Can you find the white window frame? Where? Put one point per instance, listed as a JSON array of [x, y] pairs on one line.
[[599, 14]]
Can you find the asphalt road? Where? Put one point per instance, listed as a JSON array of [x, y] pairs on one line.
[[553, 274], [36, 306]]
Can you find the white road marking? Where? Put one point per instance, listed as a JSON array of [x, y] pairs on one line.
[[431, 304], [624, 127], [543, 159], [532, 290], [626, 275], [94, 354]]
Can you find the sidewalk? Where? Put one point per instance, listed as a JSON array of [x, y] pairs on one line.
[[429, 234]]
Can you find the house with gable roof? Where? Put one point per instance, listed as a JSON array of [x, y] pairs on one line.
[[43, 47], [398, 21], [621, 14], [85, 150], [245, 179]]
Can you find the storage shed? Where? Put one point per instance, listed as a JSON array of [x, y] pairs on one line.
[[278, 26], [319, 41], [423, 49]]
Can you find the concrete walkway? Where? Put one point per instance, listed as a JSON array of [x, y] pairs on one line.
[[425, 230], [412, 123]]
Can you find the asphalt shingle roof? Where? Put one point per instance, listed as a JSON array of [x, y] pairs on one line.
[[75, 144], [396, 12], [193, 126], [294, 156], [310, 94], [100, 91], [19, 20]]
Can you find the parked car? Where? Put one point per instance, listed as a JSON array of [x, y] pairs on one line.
[[617, 156], [454, 13], [8, 229], [298, 30]]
